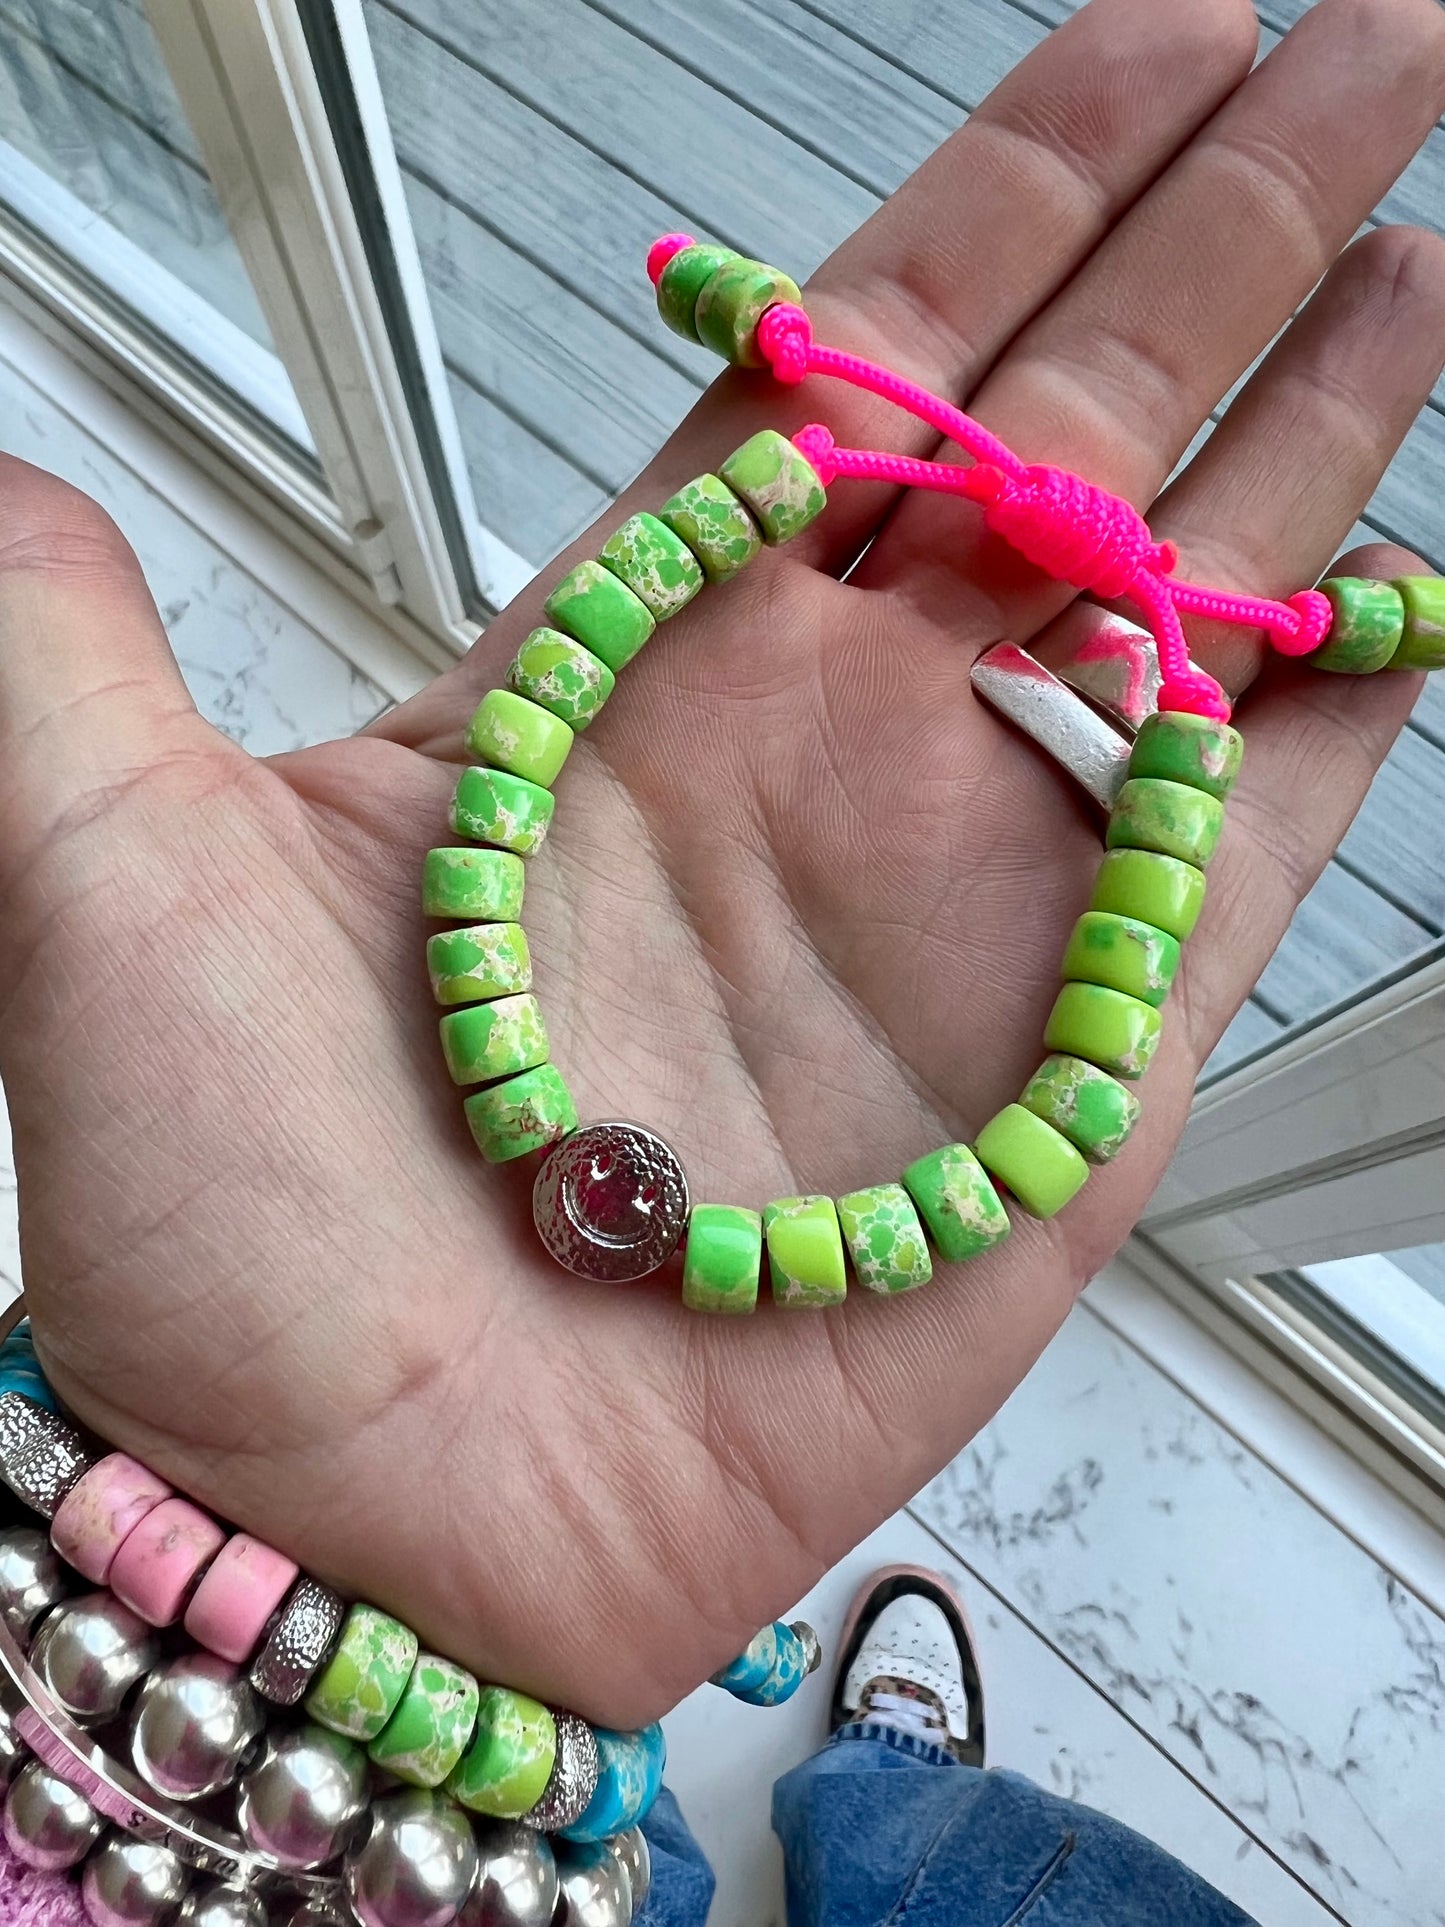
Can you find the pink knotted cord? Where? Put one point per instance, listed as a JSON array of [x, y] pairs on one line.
[[1073, 530]]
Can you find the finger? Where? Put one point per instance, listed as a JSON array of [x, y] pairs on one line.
[[1116, 376]]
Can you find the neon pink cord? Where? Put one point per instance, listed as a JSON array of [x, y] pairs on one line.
[[1073, 530]]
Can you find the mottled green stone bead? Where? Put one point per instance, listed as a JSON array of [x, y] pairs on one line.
[[504, 1772], [358, 1689], [596, 609], [683, 280], [558, 673], [496, 807], [1152, 814], [1195, 750], [483, 961], [1104, 1026], [885, 1238], [1156, 889], [723, 1258], [777, 482], [499, 1039], [1422, 644], [1036, 1162], [484, 886], [1365, 630], [734, 299], [1094, 1111], [715, 524], [805, 1251], [658, 566], [1123, 953], [526, 1113], [513, 734], [957, 1202], [433, 1721]]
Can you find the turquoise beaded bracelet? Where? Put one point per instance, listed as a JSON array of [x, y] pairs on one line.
[[610, 1200]]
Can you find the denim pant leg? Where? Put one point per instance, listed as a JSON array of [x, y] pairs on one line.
[[682, 1880], [884, 1830]]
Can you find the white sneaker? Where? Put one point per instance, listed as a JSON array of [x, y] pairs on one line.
[[906, 1660]]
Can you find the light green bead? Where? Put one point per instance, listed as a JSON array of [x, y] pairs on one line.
[[683, 280], [957, 1202], [716, 526], [1094, 1111], [658, 566], [496, 807], [483, 961], [357, 1690], [487, 1041], [505, 1770], [558, 673], [777, 482], [526, 1113], [885, 1238], [1152, 814], [722, 1259], [433, 1721], [1118, 1033], [1123, 953], [1156, 889], [805, 1251], [514, 734], [591, 605], [1040, 1167], [733, 300], [1195, 750], [1365, 630], [481, 885], [1422, 644]]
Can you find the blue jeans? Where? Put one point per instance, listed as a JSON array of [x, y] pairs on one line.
[[936, 1844]]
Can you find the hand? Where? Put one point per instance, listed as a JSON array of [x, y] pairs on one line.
[[802, 910]]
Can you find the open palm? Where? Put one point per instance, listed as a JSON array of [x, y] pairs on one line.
[[801, 911]]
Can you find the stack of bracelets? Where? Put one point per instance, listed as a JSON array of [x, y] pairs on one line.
[[403, 1791]]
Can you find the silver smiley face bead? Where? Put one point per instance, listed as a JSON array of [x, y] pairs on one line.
[[610, 1202]]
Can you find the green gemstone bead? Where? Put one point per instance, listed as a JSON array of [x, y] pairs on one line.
[[1037, 1163], [658, 566], [1123, 953], [957, 1202], [484, 886], [683, 280], [592, 606], [1152, 814], [513, 734], [1422, 645], [496, 807], [433, 1721], [805, 1251], [885, 1239], [715, 525], [733, 300], [722, 1259], [1194, 750], [358, 1689], [1094, 1111], [526, 1113], [777, 482], [557, 673], [1118, 1033], [1365, 630], [505, 1770], [487, 1041], [1156, 889], [483, 961]]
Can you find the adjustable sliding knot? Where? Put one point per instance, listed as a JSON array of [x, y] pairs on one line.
[[1072, 529], [1314, 615], [816, 443], [784, 337]]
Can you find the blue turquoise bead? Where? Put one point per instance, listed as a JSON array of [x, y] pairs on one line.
[[629, 1779], [769, 1669], [20, 1369]]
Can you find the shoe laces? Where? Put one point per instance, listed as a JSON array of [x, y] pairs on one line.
[[904, 1704]]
